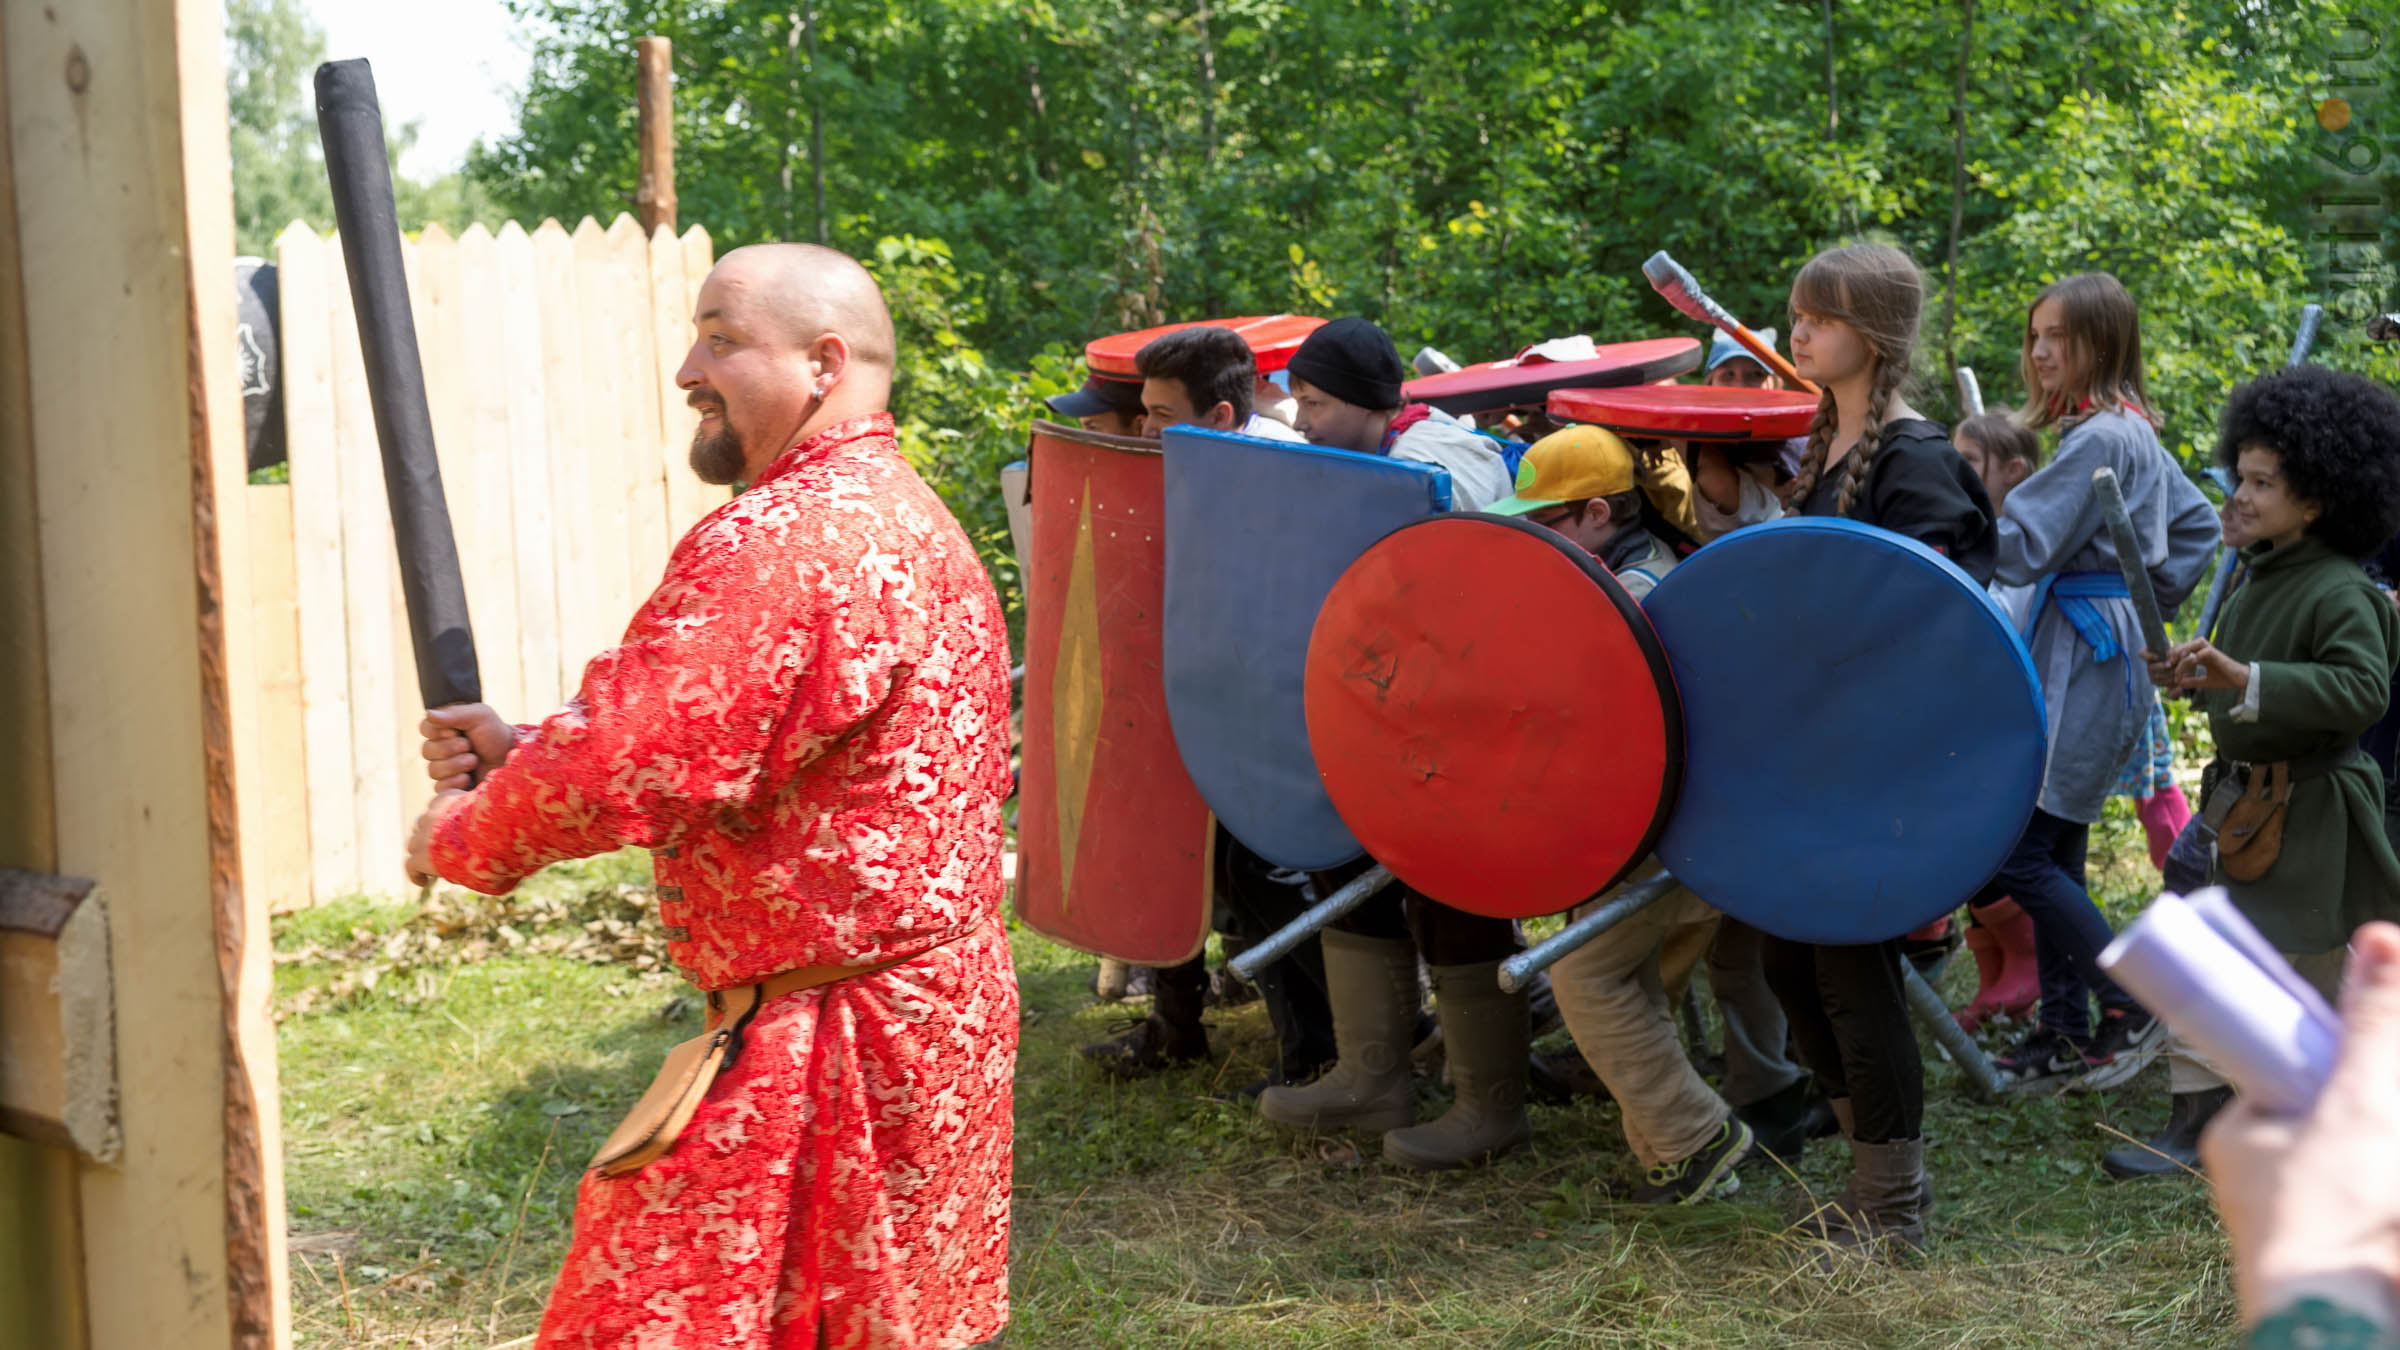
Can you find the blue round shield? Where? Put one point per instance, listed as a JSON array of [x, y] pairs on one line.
[[1864, 732]]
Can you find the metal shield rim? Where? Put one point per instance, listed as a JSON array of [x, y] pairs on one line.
[[1646, 641]]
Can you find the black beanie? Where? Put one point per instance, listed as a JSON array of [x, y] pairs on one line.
[[1354, 361]]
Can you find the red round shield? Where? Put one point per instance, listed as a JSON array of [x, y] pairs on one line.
[[1690, 412], [1492, 716], [1272, 338], [1493, 384]]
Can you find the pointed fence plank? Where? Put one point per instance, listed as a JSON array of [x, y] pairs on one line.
[[633, 347], [480, 493], [532, 509], [304, 272], [563, 339], [601, 473], [369, 571]]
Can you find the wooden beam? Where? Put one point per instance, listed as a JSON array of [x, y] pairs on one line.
[[41, 1231], [58, 1056], [654, 196], [130, 440], [304, 278], [516, 358], [233, 719]]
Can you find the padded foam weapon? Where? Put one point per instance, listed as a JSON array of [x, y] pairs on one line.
[[350, 120], [1676, 285], [1970, 393], [2129, 559]]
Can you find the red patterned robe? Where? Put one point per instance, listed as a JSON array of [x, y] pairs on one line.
[[807, 723]]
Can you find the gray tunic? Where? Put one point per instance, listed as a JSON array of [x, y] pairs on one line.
[[2051, 523], [1478, 476]]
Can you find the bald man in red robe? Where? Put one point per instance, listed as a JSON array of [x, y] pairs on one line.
[[807, 725]]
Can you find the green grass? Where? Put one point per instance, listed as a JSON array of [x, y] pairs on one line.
[[436, 1123]]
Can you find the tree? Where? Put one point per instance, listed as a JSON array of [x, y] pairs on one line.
[[1481, 175], [272, 53]]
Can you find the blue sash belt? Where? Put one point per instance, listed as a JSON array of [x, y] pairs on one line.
[[2073, 593]]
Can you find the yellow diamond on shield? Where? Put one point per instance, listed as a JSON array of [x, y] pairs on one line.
[[1075, 696]]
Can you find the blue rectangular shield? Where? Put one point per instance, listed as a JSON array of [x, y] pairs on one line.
[[1257, 533]]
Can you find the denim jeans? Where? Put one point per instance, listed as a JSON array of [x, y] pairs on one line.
[[2044, 875]]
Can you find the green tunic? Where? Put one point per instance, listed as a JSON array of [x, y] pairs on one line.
[[2326, 641]]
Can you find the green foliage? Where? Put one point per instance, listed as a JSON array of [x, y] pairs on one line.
[[1479, 176], [961, 418], [272, 50]]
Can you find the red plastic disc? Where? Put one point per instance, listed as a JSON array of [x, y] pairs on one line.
[[1481, 388], [1690, 411], [1272, 338], [1492, 716]]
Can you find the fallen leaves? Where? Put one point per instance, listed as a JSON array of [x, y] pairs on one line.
[[612, 924]]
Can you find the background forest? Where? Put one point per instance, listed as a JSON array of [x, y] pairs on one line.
[[1477, 176]]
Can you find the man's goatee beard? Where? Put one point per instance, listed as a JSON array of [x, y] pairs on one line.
[[717, 456]]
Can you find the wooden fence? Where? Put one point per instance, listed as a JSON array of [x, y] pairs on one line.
[[550, 362]]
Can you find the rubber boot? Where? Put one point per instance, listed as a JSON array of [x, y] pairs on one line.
[[1486, 1033], [1372, 985], [2175, 1150], [2013, 985], [1110, 984], [2163, 816]]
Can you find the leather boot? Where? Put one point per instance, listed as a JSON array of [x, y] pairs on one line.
[[1372, 985], [1884, 1204], [1485, 1033], [1846, 1124], [2175, 1150]]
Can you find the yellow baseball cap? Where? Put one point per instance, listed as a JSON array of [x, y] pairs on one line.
[[1573, 465]]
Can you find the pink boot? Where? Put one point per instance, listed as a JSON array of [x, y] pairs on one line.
[[2163, 817], [2009, 985]]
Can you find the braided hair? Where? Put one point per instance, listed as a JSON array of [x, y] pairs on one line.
[[1876, 290]]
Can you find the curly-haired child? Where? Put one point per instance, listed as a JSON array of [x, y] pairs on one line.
[[2301, 665]]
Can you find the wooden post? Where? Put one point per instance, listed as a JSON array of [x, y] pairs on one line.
[[129, 674], [654, 198]]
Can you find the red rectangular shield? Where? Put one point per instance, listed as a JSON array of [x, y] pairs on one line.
[[1113, 841]]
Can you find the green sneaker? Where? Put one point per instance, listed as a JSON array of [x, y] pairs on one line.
[[1705, 1175]]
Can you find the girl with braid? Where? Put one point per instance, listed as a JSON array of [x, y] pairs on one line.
[[1873, 458], [2082, 367]]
